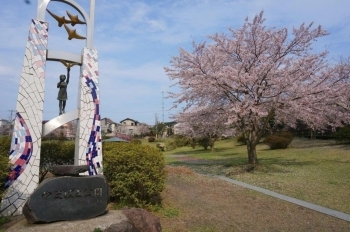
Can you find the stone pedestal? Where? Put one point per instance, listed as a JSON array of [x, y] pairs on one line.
[[67, 198]]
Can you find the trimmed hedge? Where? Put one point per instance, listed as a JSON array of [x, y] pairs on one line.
[[135, 173], [279, 141], [55, 152], [5, 145]]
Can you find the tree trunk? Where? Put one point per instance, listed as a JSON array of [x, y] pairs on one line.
[[252, 141], [252, 157], [211, 144], [212, 147]]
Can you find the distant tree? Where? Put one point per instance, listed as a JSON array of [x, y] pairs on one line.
[[204, 124], [144, 129], [257, 74], [158, 129]]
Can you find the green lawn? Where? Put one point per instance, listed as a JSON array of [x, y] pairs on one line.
[[316, 171]]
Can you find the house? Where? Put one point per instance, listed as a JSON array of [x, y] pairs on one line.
[[108, 126], [169, 128], [5, 127], [4, 122], [177, 128], [129, 126], [67, 130]]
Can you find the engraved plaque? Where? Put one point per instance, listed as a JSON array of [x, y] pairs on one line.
[[67, 198]]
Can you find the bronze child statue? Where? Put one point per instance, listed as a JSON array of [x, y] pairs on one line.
[[62, 93]]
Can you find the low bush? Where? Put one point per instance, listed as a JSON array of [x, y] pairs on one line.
[[5, 145], [241, 140], [151, 139], [181, 141], [204, 142], [135, 173], [171, 146], [279, 141], [342, 135]]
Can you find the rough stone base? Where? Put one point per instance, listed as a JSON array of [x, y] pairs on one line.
[[112, 221]]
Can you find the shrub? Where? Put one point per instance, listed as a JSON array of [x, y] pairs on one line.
[[182, 141], [151, 139], [55, 152], [279, 141], [5, 145], [171, 146], [135, 173], [241, 139], [204, 142], [342, 135]]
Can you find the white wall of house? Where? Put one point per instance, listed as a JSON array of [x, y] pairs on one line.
[[129, 126], [108, 126], [3, 122]]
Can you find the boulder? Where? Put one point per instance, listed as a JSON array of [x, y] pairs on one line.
[[143, 220], [161, 146]]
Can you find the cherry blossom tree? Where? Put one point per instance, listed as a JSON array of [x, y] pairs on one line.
[[256, 74], [205, 123], [144, 129]]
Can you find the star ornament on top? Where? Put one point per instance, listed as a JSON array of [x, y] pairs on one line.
[[73, 20]]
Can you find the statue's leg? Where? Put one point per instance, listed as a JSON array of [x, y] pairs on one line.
[[60, 105], [63, 108]]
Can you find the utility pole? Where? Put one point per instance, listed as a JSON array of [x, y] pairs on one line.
[[163, 104], [11, 126], [11, 114], [156, 124]]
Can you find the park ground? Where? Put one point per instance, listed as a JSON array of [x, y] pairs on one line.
[[314, 171]]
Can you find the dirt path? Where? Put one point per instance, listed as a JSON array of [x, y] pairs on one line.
[[193, 202]]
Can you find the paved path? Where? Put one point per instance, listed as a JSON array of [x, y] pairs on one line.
[[308, 205]]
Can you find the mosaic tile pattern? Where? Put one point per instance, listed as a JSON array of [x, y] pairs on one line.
[[89, 129], [26, 138]]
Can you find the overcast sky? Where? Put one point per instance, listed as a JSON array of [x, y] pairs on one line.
[[136, 40]]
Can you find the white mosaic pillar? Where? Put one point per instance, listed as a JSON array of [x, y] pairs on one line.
[[88, 147], [26, 138]]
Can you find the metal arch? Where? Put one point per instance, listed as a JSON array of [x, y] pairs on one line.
[[59, 121], [41, 12]]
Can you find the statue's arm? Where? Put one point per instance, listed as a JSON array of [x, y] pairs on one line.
[[68, 71]]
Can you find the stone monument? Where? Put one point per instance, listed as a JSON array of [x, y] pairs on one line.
[[28, 127]]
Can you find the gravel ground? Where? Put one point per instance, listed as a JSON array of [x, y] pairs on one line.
[[193, 202]]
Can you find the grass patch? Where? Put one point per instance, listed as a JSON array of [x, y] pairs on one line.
[[4, 220], [316, 171], [170, 212]]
